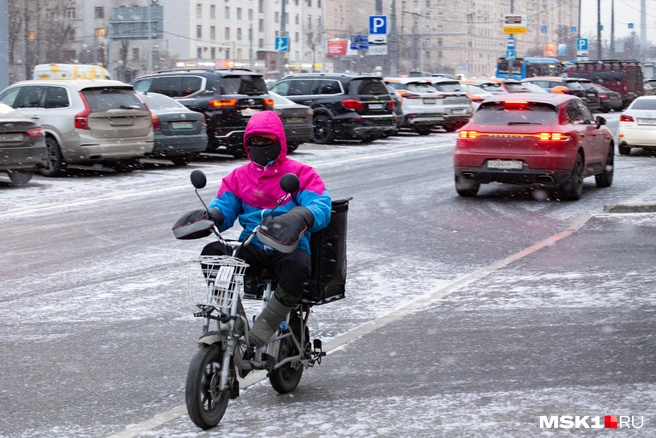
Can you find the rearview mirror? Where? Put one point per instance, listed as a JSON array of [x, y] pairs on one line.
[[600, 121], [289, 183], [198, 179]]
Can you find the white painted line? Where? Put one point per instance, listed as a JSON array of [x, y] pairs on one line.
[[394, 316]]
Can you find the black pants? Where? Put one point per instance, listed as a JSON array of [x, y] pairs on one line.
[[292, 270]]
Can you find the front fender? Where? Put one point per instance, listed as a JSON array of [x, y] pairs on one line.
[[211, 338]]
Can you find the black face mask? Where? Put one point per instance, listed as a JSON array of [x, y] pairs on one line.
[[263, 155]]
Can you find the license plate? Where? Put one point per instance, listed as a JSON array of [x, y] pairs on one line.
[[182, 125], [122, 121], [646, 121], [249, 112], [11, 137], [458, 112], [430, 101], [505, 164], [375, 106], [295, 120]]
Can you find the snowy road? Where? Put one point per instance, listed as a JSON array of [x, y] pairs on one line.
[[94, 327]]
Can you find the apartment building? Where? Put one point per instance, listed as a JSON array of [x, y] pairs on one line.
[[457, 37], [115, 33]]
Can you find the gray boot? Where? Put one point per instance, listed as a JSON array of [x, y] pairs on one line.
[[268, 321]]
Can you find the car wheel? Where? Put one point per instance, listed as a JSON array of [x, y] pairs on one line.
[[449, 128], [19, 177], [605, 179], [572, 189], [624, 149], [423, 130], [55, 164], [467, 187], [182, 160], [323, 130]]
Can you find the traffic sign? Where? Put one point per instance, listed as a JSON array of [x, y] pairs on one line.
[[511, 43], [630, 25], [572, 29], [582, 44], [378, 24], [359, 42], [544, 29], [282, 44], [378, 50], [514, 23], [510, 54]]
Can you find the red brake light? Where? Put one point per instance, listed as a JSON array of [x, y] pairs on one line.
[[552, 136], [476, 98], [222, 103], [468, 134], [82, 118], [309, 112], [390, 104], [515, 102], [157, 125], [268, 102], [36, 132], [603, 96], [625, 118], [411, 96], [353, 104]]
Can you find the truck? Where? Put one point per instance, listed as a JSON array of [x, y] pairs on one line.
[[623, 76], [69, 71]]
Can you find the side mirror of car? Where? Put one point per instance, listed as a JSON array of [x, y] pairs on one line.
[[600, 121]]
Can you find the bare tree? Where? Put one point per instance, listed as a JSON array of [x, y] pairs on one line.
[[313, 40]]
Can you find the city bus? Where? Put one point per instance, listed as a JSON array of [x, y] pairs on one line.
[[529, 67]]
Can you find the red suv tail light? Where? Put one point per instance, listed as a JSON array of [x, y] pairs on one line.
[[268, 103], [36, 132], [390, 104], [468, 134], [552, 136], [625, 118], [157, 124], [353, 104], [411, 96], [82, 118]]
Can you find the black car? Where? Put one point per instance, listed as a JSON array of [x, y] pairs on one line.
[[22, 145], [592, 100], [227, 98], [357, 107], [609, 99], [295, 118]]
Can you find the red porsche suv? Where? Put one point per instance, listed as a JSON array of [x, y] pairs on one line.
[[529, 138]]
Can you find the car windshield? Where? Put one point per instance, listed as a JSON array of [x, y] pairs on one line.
[[476, 90], [492, 88], [574, 85], [243, 84], [105, 99], [372, 87], [602, 88], [643, 104], [447, 87], [160, 102], [516, 113], [515, 88], [418, 87]]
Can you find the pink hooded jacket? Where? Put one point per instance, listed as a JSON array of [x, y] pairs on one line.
[[250, 191]]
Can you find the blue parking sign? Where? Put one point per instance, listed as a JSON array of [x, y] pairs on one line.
[[378, 25], [581, 44]]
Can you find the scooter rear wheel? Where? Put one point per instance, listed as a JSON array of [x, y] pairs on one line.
[[205, 403], [286, 378]]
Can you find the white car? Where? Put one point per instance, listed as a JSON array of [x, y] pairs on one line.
[[638, 125], [419, 103]]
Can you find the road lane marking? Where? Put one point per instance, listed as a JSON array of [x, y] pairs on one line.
[[368, 327]]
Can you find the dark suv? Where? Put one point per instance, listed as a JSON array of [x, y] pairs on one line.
[[345, 106], [227, 98]]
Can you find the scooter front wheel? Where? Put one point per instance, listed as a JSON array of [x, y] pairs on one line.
[[286, 378], [206, 404]]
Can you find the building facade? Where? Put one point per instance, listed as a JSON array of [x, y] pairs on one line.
[[115, 33], [455, 37]]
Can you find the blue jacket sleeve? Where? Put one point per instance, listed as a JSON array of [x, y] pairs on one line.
[[319, 205], [229, 205]]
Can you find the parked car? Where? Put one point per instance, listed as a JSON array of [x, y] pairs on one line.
[[22, 145], [85, 121], [296, 119], [476, 94], [650, 87], [530, 138], [608, 99], [356, 107], [486, 84], [532, 88], [453, 101], [397, 111], [637, 126], [227, 99], [421, 112], [179, 133], [573, 86]]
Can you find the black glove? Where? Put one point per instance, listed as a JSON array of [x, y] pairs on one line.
[[193, 225], [285, 231], [216, 216]]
